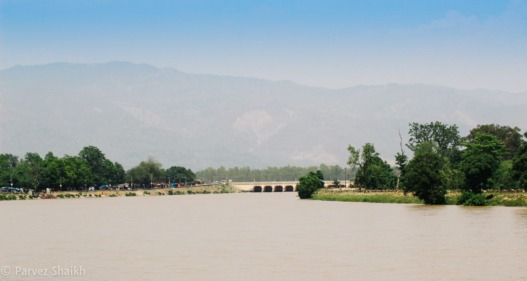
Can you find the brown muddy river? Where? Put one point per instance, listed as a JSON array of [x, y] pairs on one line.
[[248, 236]]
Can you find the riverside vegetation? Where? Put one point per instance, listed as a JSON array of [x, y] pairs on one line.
[[206, 189], [488, 198], [486, 167], [489, 161]]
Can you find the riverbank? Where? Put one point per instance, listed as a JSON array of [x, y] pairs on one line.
[[509, 199], [205, 189]]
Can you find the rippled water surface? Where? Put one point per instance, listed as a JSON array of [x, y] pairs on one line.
[[249, 236]]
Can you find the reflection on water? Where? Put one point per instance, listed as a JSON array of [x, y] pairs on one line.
[[261, 237]]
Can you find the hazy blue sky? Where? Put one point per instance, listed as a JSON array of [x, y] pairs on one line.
[[329, 43]]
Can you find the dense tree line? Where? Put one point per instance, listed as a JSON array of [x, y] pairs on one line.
[[491, 156], [288, 173], [90, 168], [150, 173]]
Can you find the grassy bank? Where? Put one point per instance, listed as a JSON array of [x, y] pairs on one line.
[[511, 199], [209, 189]]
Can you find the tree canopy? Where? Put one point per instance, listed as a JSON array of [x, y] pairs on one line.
[[424, 174], [510, 137], [309, 184], [372, 172], [480, 160], [445, 136]]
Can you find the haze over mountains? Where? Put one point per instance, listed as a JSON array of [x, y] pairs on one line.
[[133, 111]]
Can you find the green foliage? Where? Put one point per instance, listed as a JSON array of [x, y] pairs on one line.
[[309, 184], [503, 177], [70, 172], [179, 174], [519, 166], [129, 194], [445, 136], [509, 137], [401, 160], [146, 172], [287, 173], [372, 172], [472, 199], [424, 176], [8, 163], [480, 160], [389, 197], [7, 197]]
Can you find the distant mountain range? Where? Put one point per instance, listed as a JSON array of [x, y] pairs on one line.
[[133, 111]]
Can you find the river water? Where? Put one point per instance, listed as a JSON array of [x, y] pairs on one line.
[[257, 236]]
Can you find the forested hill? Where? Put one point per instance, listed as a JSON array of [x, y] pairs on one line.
[[132, 111]]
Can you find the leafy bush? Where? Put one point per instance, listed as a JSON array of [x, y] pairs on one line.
[[130, 194], [472, 199], [7, 197], [309, 184]]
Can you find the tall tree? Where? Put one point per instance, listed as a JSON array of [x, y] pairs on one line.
[[510, 137], [424, 174], [97, 162], [519, 166], [480, 160], [146, 172], [30, 170], [75, 172], [180, 174], [372, 172], [445, 136]]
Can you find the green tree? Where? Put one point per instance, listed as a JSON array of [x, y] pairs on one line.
[[52, 171], [179, 174], [519, 166], [30, 170], [372, 172], [146, 172], [98, 165], [504, 176], [480, 160], [75, 172], [8, 163], [309, 184], [424, 174], [510, 137], [445, 136]]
